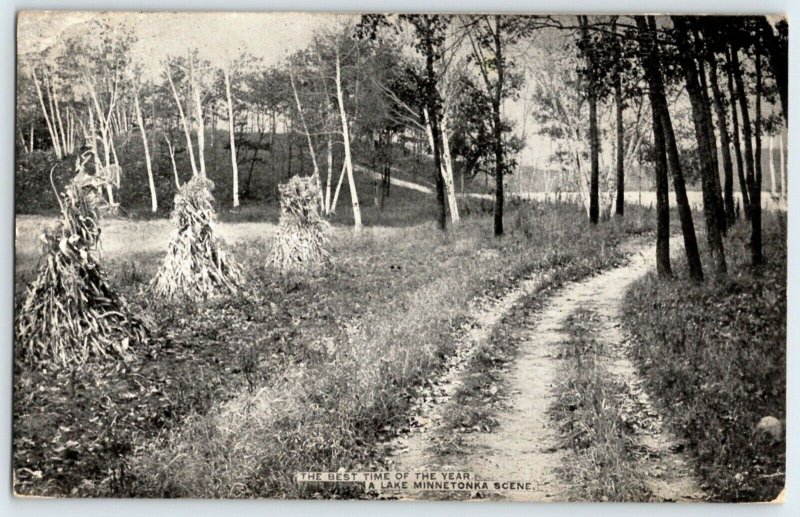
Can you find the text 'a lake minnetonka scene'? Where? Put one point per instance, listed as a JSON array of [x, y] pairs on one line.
[[400, 256]]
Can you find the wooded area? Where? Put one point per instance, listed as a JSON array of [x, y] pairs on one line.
[[277, 171]]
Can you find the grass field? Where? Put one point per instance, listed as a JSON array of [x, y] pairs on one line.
[[234, 395]]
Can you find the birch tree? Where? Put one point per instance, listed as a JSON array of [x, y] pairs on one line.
[[143, 133], [348, 159], [47, 116], [184, 120], [311, 150]]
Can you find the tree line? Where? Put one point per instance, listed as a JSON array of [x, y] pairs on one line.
[[363, 87]]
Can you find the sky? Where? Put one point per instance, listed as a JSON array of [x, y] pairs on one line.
[[218, 36]]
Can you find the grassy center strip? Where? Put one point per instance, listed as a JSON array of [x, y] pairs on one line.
[[591, 409]]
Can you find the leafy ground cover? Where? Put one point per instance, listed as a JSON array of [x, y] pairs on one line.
[[302, 373], [714, 356]]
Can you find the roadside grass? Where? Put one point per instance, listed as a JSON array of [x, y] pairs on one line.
[[577, 252], [591, 409], [235, 394], [330, 411], [714, 358]]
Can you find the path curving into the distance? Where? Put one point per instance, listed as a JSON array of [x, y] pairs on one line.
[[525, 446]]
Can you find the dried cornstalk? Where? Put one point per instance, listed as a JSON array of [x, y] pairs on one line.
[[195, 264], [70, 312], [300, 243]]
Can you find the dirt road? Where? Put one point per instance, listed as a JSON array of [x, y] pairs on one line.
[[526, 446]]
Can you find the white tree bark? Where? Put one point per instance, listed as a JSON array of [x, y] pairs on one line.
[[773, 187], [150, 181], [447, 171], [104, 125], [172, 159], [50, 129], [310, 143], [446, 166], [201, 136], [234, 166], [348, 162], [184, 121], [91, 135], [784, 176], [338, 188], [330, 174], [57, 116], [70, 132]]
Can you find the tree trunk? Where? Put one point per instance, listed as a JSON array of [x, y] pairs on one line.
[[498, 131], [620, 204], [779, 62], [57, 117], [330, 174], [201, 138], [594, 138], [310, 142], [348, 162], [338, 187], [172, 159], [783, 174], [663, 266], [756, 250], [754, 191], [709, 172], [594, 150], [234, 165], [433, 118], [724, 140], [719, 202], [446, 170], [772, 180], [737, 146], [50, 129], [289, 131], [150, 181], [658, 101], [184, 121]]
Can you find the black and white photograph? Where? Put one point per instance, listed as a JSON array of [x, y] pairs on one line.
[[400, 256]]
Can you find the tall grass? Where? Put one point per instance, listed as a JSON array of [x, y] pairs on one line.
[[595, 428], [714, 356], [326, 412]]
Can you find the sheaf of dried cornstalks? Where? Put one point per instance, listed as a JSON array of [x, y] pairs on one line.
[[195, 265], [300, 244], [70, 313]]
